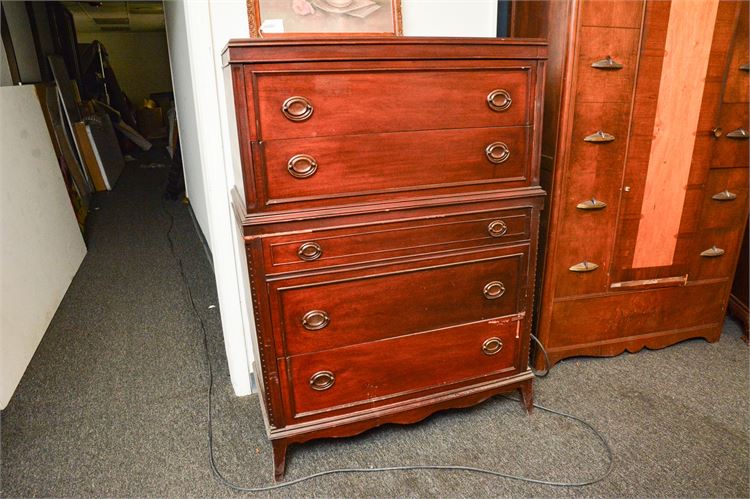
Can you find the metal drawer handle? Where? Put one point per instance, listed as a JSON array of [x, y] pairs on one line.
[[492, 346], [724, 195], [583, 266], [494, 290], [712, 252], [499, 100], [745, 67], [497, 228], [591, 204], [739, 134], [302, 166], [297, 108], [497, 152], [600, 136], [309, 251], [607, 64], [315, 320], [322, 380]]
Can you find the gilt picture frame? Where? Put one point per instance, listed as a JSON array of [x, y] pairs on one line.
[[289, 18]]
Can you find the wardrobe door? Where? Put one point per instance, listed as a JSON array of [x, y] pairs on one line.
[[679, 87]]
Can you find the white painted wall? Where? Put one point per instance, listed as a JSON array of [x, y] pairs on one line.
[[185, 103], [197, 31], [5, 78], [139, 58], [41, 245], [23, 41], [449, 17]]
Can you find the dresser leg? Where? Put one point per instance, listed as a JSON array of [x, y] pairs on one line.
[[279, 459], [527, 395]]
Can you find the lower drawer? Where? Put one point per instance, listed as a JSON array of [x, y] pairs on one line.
[[334, 309], [373, 373], [616, 316]]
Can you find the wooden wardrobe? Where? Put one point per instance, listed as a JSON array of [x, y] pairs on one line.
[[645, 158]]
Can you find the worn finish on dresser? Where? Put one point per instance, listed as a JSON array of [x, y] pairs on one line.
[[645, 157], [390, 206]]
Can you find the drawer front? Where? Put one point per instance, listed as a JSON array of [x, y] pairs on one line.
[[738, 79], [613, 13], [321, 312], [371, 101], [595, 171], [603, 319], [720, 225], [732, 151], [336, 167], [326, 248], [373, 373], [726, 198], [604, 83]]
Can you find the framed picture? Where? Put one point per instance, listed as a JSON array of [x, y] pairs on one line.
[[273, 18]]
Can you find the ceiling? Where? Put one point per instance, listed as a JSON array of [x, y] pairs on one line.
[[117, 16]]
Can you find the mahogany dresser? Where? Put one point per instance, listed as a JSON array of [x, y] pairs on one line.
[[390, 205], [645, 156]]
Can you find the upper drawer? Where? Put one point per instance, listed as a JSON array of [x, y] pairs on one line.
[[300, 170], [312, 103]]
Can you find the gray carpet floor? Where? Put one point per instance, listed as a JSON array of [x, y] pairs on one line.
[[114, 400]]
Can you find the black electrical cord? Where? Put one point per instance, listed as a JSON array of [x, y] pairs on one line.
[[218, 475], [541, 374]]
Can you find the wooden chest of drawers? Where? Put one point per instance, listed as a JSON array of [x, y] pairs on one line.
[[390, 205], [645, 157]]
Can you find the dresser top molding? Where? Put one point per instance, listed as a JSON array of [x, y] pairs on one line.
[[329, 48]]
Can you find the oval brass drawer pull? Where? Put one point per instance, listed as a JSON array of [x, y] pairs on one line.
[[494, 290], [607, 64], [600, 136], [497, 152], [499, 100], [583, 266], [738, 134], [309, 251], [322, 380], [302, 166], [591, 204], [492, 346], [712, 252], [724, 195], [297, 108], [497, 228], [315, 320]]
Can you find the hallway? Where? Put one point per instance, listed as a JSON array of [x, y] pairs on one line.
[[114, 401]]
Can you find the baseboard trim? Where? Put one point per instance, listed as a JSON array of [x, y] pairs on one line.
[[202, 237]]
